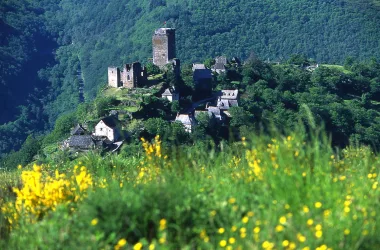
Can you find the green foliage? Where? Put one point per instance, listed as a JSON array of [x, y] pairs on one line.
[[152, 69], [262, 190], [240, 117], [103, 105], [62, 128], [69, 42], [25, 155], [156, 126]]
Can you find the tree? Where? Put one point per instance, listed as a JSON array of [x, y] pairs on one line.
[[62, 128], [209, 62], [103, 104], [152, 69], [157, 126], [240, 117]]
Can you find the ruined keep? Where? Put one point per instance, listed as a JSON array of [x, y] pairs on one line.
[[114, 77], [163, 46], [132, 75]]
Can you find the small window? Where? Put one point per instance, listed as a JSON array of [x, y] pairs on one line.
[[128, 78]]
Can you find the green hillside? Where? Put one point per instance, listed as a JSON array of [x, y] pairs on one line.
[[87, 36]]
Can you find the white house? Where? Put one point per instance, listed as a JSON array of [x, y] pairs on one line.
[[187, 121], [171, 94], [107, 128]]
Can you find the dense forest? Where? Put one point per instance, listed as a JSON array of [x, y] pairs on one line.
[[46, 45]]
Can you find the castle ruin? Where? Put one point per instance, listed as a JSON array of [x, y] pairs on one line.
[[134, 75], [131, 76], [163, 41]]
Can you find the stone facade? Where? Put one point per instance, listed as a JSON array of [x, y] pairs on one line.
[[107, 128], [228, 99], [163, 46], [220, 64], [131, 76], [114, 77]]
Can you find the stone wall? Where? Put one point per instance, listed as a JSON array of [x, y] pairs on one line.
[[163, 42], [114, 77]]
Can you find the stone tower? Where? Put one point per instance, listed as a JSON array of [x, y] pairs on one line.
[[163, 46], [131, 75], [114, 77]]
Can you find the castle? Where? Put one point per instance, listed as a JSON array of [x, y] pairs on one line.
[[131, 76], [134, 75]]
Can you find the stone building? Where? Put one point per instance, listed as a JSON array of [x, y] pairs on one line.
[[114, 77], [171, 94], [80, 143], [107, 128], [163, 42], [187, 120], [132, 75], [78, 130], [220, 64], [228, 99]]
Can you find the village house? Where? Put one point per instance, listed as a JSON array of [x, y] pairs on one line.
[[171, 94], [78, 130], [80, 143], [228, 99], [187, 120], [107, 128], [220, 64], [216, 112]]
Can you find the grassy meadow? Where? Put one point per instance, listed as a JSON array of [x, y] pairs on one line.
[[279, 192]]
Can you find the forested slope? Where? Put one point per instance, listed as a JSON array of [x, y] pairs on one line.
[[90, 35]]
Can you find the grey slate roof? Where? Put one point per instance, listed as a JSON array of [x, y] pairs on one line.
[[216, 112], [78, 130], [185, 119], [169, 91], [221, 60], [219, 66], [81, 142]]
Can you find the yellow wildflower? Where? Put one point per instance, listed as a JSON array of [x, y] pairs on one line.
[[223, 243], [282, 220], [318, 204], [231, 240], [162, 224], [94, 222]]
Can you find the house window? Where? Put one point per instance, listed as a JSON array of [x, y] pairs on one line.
[[101, 129], [128, 78]]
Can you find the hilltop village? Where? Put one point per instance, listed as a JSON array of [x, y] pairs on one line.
[[108, 134]]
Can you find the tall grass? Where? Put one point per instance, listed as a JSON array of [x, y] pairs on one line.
[[264, 192]]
